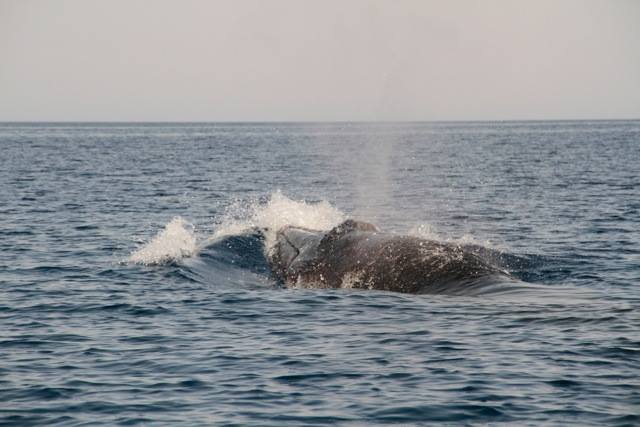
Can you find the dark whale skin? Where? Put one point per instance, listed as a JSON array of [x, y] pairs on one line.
[[356, 255]]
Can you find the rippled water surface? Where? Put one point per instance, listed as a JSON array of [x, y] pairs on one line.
[[134, 287]]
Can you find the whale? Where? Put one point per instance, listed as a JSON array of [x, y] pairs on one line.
[[357, 255]]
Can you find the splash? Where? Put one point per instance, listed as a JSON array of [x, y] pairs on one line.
[[277, 212], [424, 231], [427, 231], [177, 240]]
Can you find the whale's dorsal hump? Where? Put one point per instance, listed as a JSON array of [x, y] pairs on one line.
[[347, 227]]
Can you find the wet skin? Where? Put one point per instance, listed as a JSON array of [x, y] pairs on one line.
[[357, 255]]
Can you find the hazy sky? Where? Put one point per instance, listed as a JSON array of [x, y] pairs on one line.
[[319, 60]]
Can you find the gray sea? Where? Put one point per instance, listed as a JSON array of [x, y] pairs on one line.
[[134, 288]]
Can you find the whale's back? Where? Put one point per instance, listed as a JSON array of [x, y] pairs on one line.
[[356, 255], [383, 261]]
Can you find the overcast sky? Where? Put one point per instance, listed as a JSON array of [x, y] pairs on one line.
[[319, 60]]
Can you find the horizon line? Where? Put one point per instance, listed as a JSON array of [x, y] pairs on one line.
[[318, 121]]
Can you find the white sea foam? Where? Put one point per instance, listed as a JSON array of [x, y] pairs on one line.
[[426, 231], [277, 212], [177, 240]]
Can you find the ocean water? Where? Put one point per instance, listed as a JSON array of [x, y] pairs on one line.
[[134, 288]]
